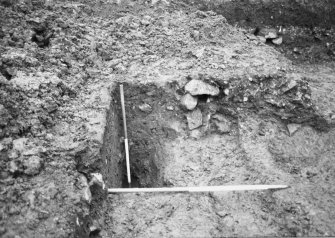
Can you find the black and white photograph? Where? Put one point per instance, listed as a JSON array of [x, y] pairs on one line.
[[167, 118]]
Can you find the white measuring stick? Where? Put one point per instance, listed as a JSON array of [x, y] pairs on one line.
[[226, 188], [125, 133], [127, 160]]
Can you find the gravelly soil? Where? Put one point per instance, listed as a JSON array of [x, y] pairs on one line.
[[60, 65]]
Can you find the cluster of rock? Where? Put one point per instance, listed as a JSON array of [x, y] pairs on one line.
[[269, 34], [195, 89]]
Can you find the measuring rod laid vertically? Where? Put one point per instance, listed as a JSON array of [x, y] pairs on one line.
[[125, 134]]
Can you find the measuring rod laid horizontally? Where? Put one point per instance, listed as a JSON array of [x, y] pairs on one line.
[[125, 134], [227, 188]]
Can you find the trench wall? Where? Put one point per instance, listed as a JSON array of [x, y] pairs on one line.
[[112, 151]]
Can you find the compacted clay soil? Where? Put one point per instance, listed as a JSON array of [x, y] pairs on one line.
[[207, 104]]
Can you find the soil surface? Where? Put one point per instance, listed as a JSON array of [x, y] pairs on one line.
[[307, 26], [207, 102]]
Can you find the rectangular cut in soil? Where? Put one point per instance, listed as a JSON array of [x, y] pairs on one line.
[[163, 150], [144, 133]]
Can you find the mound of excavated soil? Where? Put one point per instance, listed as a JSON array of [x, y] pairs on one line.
[[249, 117]]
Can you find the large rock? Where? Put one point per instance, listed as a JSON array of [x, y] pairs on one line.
[[189, 102], [194, 119], [198, 87]]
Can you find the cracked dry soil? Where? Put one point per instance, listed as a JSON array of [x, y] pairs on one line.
[[261, 114]]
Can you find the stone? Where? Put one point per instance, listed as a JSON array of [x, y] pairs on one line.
[[145, 22], [195, 134], [290, 85], [13, 167], [268, 33], [6, 142], [262, 129], [51, 107], [226, 92], [196, 35], [13, 154], [120, 68], [86, 192], [194, 119], [94, 229], [153, 2], [169, 108], [198, 87], [262, 39], [292, 128], [33, 165], [113, 63], [296, 50], [20, 144], [222, 213], [199, 52], [278, 41], [189, 102], [49, 136], [271, 35], [222, 124], [145, 108], [12, 72], [98, 180], [4, 175], [3, 80], [222, 127], [39, 38]]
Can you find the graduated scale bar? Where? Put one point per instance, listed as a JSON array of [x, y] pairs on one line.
[[226, 188]]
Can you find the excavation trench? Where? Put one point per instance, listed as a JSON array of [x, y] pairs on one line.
[[147, 131], [156, 120], [238, 141]]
